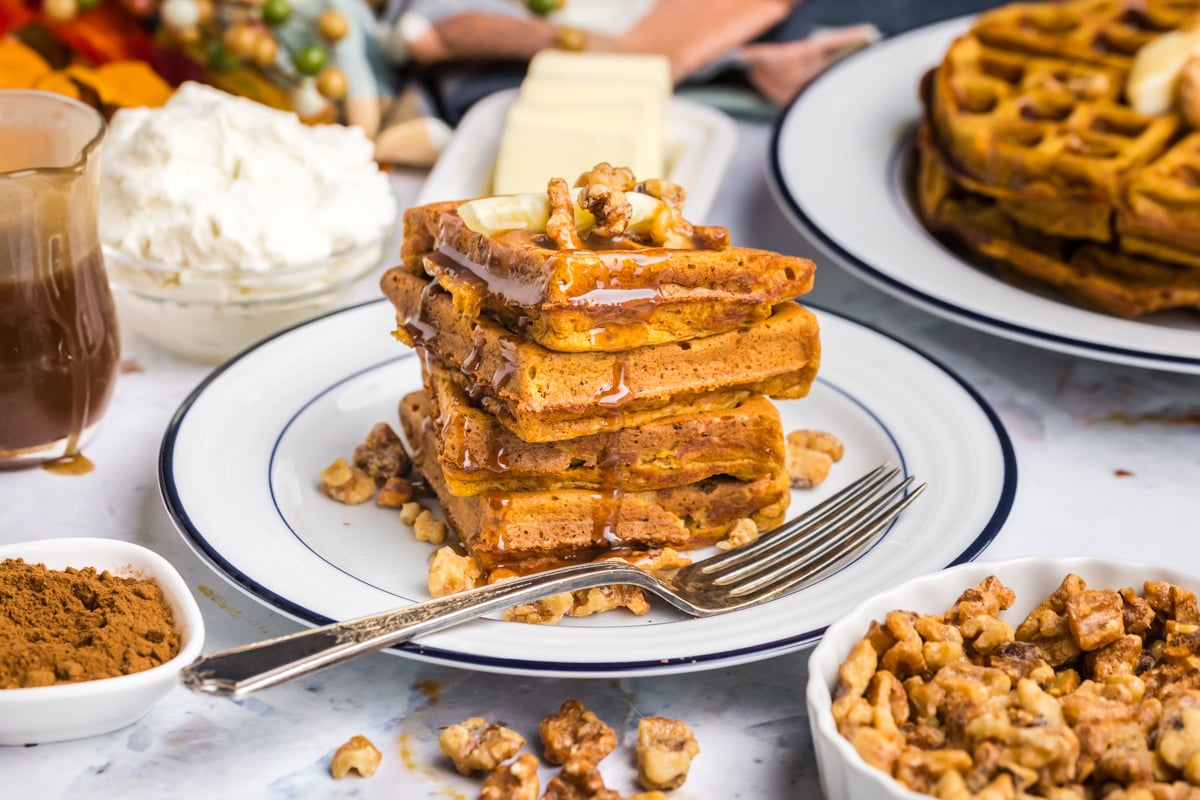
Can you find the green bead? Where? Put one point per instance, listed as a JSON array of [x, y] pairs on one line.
[[276, 12], [87, 5], [219, 58], [311, 59], [544, 7]]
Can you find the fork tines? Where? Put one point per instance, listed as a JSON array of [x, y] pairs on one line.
[[805, 547]]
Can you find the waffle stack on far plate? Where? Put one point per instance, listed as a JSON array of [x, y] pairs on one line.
[[1031, 155], [601, 388]]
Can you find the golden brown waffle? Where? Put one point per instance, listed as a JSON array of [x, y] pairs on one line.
[[1038, 127], [1029, 154], [1095, 275], [538, 529], [1105, 32], [614, 296], [542, 395], [477, 454]]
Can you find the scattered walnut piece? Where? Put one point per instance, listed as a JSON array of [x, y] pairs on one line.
[[515, 781], [579, 780], [476, 744], [357, 754], [665, 749], [668, 558], [428, 528], [450, 572], [410, 511], [743, 532], [586, 602], [547, 611], [574, 732], [810, 455], [395, 493], [382, 454], [347, 484]]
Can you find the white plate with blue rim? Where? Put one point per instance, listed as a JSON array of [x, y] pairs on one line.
[[839, 169], [240, 461]]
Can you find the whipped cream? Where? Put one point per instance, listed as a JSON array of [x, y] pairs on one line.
[[211, 181]]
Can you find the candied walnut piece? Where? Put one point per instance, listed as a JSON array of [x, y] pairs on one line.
[[1178, 735], [1050, 631], [560, 226], [809, 455], [410, 511], [428, 528], [1021, 660], [586, 602], [668, 558], [665, 749], [395, 493], [357, 754], [667, 191], [476, 744], [985, 599], [579, 780], [906, 656], [516, 781], [1119, 657], [382, 454], [854, 675], [450, 572], [986, 634], [547, 611], [1096, 618], [574, 732], [347, 484], [920, 769], [1136, 612], [743, 532], [604, 188]]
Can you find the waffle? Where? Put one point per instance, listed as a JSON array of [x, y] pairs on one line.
[[538, 529], [1102, 32], [477, 454], [1029, 155], [542, 395], [615, 296], [1094, 275]]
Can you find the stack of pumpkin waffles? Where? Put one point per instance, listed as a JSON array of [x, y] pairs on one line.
[[1032, 154], [596, 370]]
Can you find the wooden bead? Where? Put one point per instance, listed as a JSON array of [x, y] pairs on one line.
[[331, 83], [333, 25]]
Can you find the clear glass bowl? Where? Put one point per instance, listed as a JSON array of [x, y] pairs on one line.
[[211, 315]]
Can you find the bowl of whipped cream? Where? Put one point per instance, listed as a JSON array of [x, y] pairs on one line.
[[224, 221]]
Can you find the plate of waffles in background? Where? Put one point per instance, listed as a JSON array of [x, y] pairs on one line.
[[990, 170], [240, 465]]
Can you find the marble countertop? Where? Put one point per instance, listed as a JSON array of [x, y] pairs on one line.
[[1108, 461]]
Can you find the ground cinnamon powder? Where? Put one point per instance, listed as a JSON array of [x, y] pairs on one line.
[[63, 626]]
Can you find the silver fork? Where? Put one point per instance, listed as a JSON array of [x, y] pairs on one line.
[[793, 556]]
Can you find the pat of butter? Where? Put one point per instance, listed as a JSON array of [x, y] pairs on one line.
[[650, 70], [1153, 82], [575, 110]]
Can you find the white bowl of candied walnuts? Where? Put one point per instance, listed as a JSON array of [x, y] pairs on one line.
[[1037, 677], [94, 633]]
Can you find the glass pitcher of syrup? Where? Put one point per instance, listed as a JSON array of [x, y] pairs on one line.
[[59, 344]]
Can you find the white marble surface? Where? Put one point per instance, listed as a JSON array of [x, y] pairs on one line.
[[1078, 427]]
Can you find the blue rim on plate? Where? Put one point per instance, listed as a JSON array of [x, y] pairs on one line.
[[880, 276], [200, 544]]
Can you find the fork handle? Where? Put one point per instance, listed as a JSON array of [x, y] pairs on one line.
[[239, 671]]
